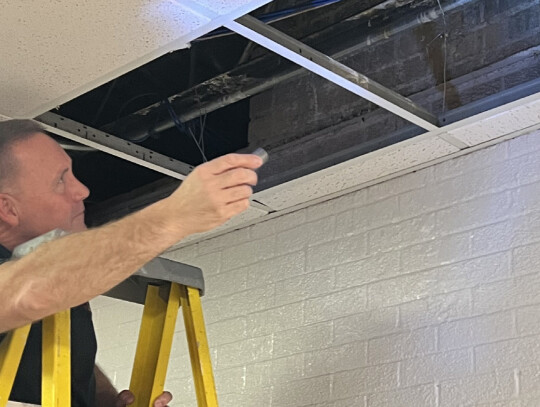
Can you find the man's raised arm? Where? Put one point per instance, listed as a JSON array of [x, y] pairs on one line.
[[76, 268]]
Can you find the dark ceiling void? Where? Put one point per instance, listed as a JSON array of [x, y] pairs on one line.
[[226, 94]]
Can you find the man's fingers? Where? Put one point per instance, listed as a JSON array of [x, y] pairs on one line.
[[163, 399], [231, 161], [124, 398], [238, 193], [203, 200], [237, 207], [238, 176]]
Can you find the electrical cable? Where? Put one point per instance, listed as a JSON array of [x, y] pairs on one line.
[[182, 126]]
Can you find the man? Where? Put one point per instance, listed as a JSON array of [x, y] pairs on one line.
[[39, 193]]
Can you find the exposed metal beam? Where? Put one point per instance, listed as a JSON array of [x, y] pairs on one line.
[[113, 145], [332, 70]]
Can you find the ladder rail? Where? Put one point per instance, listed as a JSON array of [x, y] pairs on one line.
[[11, 350], [199, 351], [154, 343], [56, 360]]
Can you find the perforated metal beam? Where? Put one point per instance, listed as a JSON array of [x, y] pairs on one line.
[[332, 70], [113, 145]]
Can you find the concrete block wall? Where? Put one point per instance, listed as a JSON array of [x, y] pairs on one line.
[[420, 291]]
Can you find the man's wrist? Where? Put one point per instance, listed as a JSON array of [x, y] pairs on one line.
[[169, 220]]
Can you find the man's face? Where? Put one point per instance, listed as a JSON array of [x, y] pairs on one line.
[[47, 193]]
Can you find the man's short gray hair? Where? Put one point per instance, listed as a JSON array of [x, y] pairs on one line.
[[11, 132]]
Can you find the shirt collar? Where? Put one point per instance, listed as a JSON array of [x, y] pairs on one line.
[[4, 253]]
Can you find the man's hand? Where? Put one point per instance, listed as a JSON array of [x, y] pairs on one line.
[[215, 192], [125, 398]]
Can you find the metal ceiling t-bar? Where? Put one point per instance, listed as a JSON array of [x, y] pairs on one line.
[[332, 70], [88, 136]]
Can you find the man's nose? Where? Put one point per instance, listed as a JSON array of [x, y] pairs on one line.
[[80, 191]]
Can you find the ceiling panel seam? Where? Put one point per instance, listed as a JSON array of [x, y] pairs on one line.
[[454, 141]]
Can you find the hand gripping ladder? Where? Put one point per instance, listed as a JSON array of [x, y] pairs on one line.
[[162, 286]]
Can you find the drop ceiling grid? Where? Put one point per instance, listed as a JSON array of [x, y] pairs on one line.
[[57, 51]]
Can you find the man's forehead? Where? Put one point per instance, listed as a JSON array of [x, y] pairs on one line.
[[40, 148], [38, 141]]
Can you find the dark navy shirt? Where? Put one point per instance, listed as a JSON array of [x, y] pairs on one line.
[[27, 386]]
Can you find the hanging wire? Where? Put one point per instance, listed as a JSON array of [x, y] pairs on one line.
[[103, 103], [445, 38], [202, 124], [202, 120], [182, 127]]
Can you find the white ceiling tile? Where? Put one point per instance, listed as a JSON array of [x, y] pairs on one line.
[[355, 172], [59, 50], [500, 124]]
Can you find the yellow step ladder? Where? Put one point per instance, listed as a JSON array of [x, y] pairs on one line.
[[163, 286]]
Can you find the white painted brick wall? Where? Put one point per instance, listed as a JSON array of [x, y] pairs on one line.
[[420, 291]]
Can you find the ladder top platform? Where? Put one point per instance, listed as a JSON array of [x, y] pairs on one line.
[[157, 272]]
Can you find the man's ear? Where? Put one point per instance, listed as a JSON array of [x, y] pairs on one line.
[[9, 212]]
